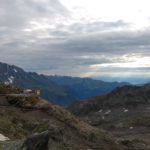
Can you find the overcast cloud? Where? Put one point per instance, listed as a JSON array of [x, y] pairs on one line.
[[49, 37]]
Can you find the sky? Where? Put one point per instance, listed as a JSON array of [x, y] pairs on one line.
[[102, 39]]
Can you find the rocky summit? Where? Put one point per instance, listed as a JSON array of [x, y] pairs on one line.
[[31, 123]]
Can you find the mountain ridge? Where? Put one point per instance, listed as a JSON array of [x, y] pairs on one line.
[[60, 90], [35, 124], [126, 96], [124, 112]]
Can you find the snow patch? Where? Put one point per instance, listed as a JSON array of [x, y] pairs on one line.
[[15, 70], [12, 77], [107, 112], [3, 138], [103, 117], [131, 128], [100, 110], [6, 83], [125, 110], [10, 80]]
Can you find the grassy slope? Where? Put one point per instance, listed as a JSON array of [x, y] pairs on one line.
[[66, 131]]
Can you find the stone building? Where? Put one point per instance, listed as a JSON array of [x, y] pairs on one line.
[[34, 92]]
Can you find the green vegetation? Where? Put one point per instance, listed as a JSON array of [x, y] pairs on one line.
[[64, 147], [13, 130], [8, 89], [135, 144], [92, 137], [22, 101], [140, 120], [50, 126], [44, 126]]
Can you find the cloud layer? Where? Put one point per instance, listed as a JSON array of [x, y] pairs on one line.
[[43, 36]]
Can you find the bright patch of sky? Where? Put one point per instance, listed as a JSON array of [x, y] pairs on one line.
[[134, 12], [131, 11]]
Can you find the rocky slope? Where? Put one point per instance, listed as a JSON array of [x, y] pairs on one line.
[[124, 112], [31, 123], [57, 89], [127, 96]]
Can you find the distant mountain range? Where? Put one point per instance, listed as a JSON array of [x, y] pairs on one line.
[[60, 90], [82, 88]]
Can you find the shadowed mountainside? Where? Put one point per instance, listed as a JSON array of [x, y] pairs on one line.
[[78, 89]]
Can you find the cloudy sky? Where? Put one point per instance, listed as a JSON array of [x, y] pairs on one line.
[[105, 39]]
